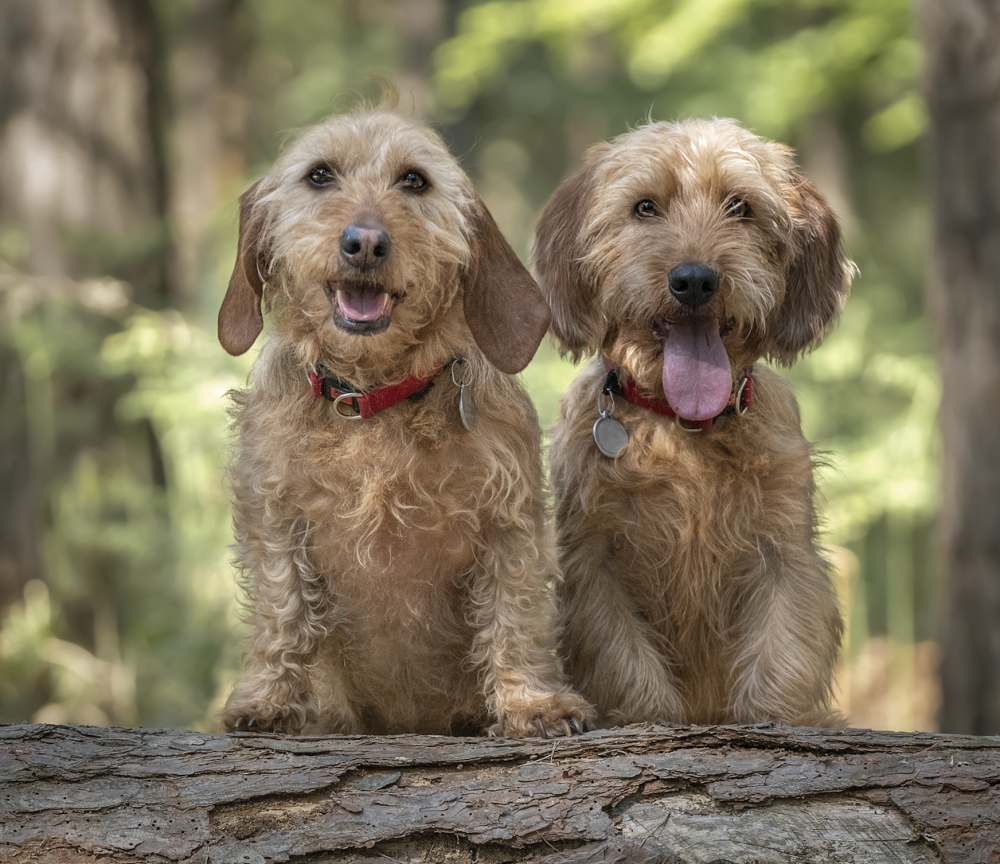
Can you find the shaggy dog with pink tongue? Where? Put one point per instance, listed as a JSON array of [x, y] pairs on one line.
[[681, 256]]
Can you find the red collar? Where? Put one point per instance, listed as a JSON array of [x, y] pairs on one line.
[[622, 384], [326, 385]]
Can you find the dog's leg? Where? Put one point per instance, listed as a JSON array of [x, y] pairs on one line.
[[789, 637], [290, 607], [613, 654], [513, 612]]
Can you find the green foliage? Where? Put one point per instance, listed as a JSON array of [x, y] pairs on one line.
[[770, 62], [131, 623]]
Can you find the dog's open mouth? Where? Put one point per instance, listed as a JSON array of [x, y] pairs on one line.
[[697, 377], [364, 308]]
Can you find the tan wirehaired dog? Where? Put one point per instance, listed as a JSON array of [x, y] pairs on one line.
[[389, 508], [694, 590]]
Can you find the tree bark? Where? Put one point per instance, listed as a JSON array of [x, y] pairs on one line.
[[963, 94], [208, 70], [676, 795]]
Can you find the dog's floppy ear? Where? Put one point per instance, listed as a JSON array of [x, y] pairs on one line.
[[817, 280], [555, 256], [240, 316], [504, 307]]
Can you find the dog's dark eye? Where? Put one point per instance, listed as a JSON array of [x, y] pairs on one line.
[[413, 181], [646, 208], [737, 208], [321, 175]]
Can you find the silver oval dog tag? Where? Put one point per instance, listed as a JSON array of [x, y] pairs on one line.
[[610, 436], [467, 408]]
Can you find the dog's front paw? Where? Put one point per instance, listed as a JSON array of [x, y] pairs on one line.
[[559, 714], [258, 718]]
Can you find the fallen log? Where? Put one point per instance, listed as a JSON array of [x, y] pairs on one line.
[[677, 795]]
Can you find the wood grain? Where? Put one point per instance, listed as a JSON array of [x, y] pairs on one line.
[[747, 795]]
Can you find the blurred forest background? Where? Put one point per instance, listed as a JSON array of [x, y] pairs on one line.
[[128, 128]]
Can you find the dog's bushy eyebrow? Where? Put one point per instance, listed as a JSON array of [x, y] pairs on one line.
[[648, 171], [321, 162]]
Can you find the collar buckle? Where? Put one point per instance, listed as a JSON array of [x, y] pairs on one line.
[[743, 401], [353, 405]]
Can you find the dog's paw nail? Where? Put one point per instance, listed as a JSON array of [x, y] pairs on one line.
[[577, 728], [564, 725], [540, 727], [252, 724]]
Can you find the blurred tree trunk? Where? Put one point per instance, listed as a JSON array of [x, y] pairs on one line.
[[209, 120], [82, 193], [81, 156], [963, 91], [423, 24]]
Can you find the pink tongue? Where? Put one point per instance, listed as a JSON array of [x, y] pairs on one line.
[[696, 374], [362, 305]]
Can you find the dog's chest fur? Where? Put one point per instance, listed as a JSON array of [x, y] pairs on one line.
[[365, 489], [688, 520]]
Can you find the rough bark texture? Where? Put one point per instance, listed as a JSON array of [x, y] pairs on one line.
[[760, 794], [209, 106], [963, 94]]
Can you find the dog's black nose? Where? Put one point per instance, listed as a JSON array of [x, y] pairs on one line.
[[365, 246], [693, 284]]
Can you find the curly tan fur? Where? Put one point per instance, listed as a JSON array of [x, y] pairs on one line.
[[397, 574], [694, 590]]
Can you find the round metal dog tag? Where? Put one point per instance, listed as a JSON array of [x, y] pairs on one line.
[[467, 408], [610, 436]]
